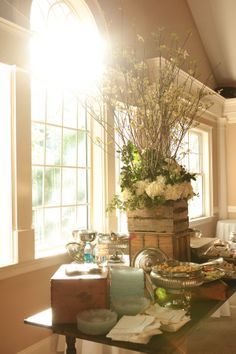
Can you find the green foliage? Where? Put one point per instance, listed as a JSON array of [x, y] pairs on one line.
[[131, 169]]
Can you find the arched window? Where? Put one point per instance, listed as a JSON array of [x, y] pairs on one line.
[[65, 57]]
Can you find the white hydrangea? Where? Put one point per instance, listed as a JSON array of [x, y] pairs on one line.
[[140, 187], [156, 188], [173, 192], [187, 190], [126, 195], [179, 191]]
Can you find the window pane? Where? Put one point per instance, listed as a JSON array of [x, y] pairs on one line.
[[82, 149], [82, 186], [38, 219], [53, 145], [196, 204], [183, 154], [68, 221], [54, 106], [38, 136], [81, 117], [194, 145], [68, 186], [52, 186], [70, 111], [52, 225], [69, 147], [38, 101], [82, 217], [37, 183], [58, 15], [194, 163]]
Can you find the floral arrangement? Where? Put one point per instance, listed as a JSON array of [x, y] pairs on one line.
[[172, 182], [153, 107]]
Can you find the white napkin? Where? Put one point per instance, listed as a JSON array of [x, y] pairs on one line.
[[173, 327], [137, 329], [171, 319]]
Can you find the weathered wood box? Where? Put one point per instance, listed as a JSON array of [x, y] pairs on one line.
[[175, 246], [165, 227], [75, 293]]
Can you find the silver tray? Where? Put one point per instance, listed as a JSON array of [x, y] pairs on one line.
[[147, 258]]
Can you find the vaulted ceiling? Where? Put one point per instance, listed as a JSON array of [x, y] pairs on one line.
[[216, 23]]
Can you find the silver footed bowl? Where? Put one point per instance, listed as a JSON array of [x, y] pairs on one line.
[[174, 274], [176, 269], [176, 283]]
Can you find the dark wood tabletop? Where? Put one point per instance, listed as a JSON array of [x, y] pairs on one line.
[[166, 343]]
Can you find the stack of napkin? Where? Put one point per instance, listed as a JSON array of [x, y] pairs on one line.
[[140, 328], [171, 320], [137, 329]]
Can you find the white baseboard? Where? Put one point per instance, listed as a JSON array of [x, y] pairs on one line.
[[45, 346]]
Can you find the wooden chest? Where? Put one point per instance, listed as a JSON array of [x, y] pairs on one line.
[[71, 294]]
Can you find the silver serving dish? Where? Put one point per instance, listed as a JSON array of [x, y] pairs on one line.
[[176, 283], [147, 258], [189, 269], [181, 280], [192, 270]]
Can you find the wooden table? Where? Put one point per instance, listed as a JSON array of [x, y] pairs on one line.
[[166, 343]]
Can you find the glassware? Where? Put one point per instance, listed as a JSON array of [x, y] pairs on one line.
[[88, 253], [102, 249]]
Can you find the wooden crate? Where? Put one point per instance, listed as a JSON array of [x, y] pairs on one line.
[[72, 294], [175, 246], [172, 217], [165, 227]]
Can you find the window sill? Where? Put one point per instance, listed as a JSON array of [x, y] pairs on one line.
[[30, 266], [202, 221]]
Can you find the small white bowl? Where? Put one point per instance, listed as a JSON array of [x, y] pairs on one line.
[[96, 321]]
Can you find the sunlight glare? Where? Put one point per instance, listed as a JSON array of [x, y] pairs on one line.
[[69, 54]]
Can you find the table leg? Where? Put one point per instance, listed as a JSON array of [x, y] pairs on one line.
[[70, 345]]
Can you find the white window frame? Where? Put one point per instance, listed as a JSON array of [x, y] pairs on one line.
[[206, 146], [95, 158], [58, 247]]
